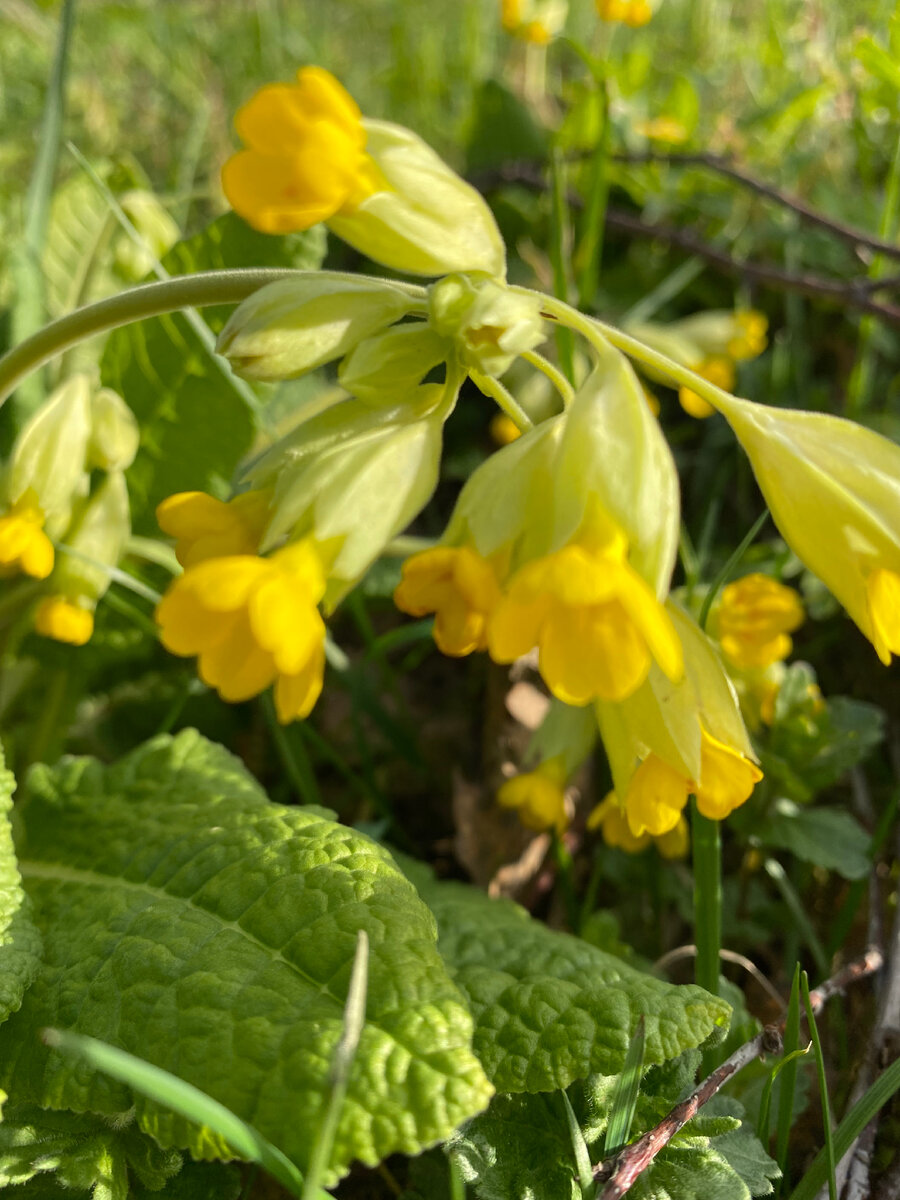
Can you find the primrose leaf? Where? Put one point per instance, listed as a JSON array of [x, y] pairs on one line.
[[550, 1008], [194, 425], [828, 837], [192, 922], [20, 941]]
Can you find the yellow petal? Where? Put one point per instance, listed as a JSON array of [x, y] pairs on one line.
[[295, 695], [282, 194], [656, 797], [64, 621], [237, 667], [675, 843], [189, 514], [225, 584], [883, 595], [186, 626], [726, 779], [538, 798], [284, 624], [514, 627], [653, 623], [38, 556]]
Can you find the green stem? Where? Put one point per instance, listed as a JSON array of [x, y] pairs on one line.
[[504, 398], [564, 873], [707, 853], [558, 251], [590, 246], [559, 381], [148, 300]]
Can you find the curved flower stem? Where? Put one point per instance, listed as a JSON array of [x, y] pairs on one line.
[[559, 381], [504, 398], [148, 300]]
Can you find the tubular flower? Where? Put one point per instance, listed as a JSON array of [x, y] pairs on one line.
[[23, 544], [538, 796], [460, 587], [208, 528], [657, 793], [305, 158], [756, 614], [609, 817], [595, 621], [252, 622], [64, 621], [630, 12]]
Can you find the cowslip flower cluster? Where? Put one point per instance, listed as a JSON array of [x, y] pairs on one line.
[[64, 486], [629, 12], [534, 21], [753, 621]]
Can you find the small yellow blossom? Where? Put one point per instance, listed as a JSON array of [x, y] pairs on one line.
[[208, 528], [883, 597], [657, 793], [597, 624], [755, 616], [538, 796], [630, 12], [609, 817], [749, 337], [305, 158], [719, 370], [23, 544], [252, 622], [63, 620], [460, 587], [504, 429], [663, 129]]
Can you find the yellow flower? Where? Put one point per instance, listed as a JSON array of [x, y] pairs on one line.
[[63, 620], [208, 528], [630, 12], [657, 793], [23, 544], [252, 622], [305, 158], [754, 618], [663, 129], [749, 337], [460, 587], [609, 817], [718, 370], [883, 596], [597, 624], [504, 429], [538, 796], [535, 21]]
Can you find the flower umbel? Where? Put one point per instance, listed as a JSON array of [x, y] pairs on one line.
[[460, 587], [755, 616], [538, 796], [23, 544], [252, 622]]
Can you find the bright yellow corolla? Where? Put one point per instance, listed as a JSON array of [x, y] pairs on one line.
[[457, 585], [756, 614], [23, 544], [539, 796], [252, 622], [208, 528], [64, 621]]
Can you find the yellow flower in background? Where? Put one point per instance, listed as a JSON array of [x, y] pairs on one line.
[[718, 370], [535, 21], [630, 12], [538, 796], [754, 618], [657, 793], [663, 129], [252, 622], [208, 528], [503, 429], [749, 337], [23, 544], [460, 587], [64, 621], [609, 817], [596, 622], [305, 158]]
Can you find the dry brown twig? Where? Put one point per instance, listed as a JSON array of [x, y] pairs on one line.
[[623, 1169]]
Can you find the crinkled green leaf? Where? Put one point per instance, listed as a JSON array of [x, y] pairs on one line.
[[192, 922], [194, 426], [80, 1151], [828, 837], [20, 942], [550, 1008]]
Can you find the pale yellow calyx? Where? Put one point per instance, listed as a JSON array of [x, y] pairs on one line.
[[460, 587], [205, 527], [64, 620], [596, 623], [538, 797], [305, 156], [23, 544], [252, 622], [883, 596], [756, 614]]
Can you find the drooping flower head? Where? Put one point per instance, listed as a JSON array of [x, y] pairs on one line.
[[310, 156], [205, 527], [753, 621], [23, 544], [609, 817], [538, 796]]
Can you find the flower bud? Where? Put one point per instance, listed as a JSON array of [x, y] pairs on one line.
[[155, 226], [97, 537], [381, 369], [490, 324], [292, 326], [48, 457], [115, 434]]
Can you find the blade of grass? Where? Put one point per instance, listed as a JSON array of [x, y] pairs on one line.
[[293, 755], [559, 224], [852, 1125], [339, 1077], [762, 1123], [589, 254], [625, 1095], [667, 289], [777, 873], [724, 575], [457, 1183], [184, 1099], [789, 1081], [579, 1149], [830, 1158]]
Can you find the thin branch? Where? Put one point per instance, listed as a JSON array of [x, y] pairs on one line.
[[812, 216], [621, 1171]]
